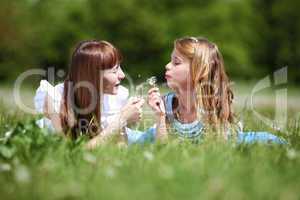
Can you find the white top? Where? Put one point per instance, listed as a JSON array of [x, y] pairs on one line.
[[112, 104]]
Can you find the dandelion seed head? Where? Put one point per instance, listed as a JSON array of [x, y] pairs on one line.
[[148, 156], [22, 174]]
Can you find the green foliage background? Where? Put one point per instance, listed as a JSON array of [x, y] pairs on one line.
[[256, 37]]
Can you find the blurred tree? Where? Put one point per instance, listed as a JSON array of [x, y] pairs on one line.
[[13, 36], [255, 37], [227, 23], [279, 36]]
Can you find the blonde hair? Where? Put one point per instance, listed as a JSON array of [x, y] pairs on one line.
[[213, 94]]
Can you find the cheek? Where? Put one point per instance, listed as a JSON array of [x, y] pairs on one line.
[[183, 74], [109, 80], [179, 79]]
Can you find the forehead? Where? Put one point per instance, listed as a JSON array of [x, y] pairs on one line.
[[116, 67], [177, 55]]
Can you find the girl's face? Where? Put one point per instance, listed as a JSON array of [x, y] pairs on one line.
[[178, 72], [112, 79]]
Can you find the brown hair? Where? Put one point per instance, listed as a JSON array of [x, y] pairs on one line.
[[82, 94], [209, 79]]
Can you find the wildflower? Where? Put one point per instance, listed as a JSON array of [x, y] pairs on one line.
[[5, 167], [148, 156], [90, 158], [291, 154], [22, 174]]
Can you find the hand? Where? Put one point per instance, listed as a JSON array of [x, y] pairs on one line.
[[155, 102], [132, 112]]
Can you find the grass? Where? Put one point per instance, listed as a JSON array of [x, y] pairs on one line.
[[37, 165]]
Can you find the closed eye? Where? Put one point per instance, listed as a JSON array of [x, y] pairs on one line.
[[116, 69], [175, 62]]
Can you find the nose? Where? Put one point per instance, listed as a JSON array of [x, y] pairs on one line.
[[168, 66], [121, 74]]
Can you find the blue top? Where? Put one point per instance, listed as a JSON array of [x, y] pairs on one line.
[[194, 130], [139, 137]]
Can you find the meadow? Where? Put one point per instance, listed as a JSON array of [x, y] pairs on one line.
[[37, 165]]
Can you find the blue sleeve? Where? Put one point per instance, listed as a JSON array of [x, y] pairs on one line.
[[139, 137], [259, 137]]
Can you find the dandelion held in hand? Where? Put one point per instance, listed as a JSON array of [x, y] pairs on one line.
[[141, 88], [152, 81]]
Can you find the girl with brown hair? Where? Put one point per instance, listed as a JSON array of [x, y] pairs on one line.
[[92, 84]]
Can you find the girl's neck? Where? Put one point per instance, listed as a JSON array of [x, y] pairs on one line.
[[187, 107]]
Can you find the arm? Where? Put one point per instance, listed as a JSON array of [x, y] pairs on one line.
[[161, 128], [50, 113], [130, 113], [114, 128], [156, 103]]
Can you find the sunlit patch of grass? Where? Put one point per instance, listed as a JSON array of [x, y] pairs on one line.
[[36, 164]]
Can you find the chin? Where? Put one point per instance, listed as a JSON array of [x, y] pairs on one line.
[[115, 91], [170, 85], [112, 91]]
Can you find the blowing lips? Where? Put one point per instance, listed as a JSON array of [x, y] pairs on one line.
[[167, 76]]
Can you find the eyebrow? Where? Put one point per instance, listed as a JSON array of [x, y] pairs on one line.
[[115, 67], [176, 57]]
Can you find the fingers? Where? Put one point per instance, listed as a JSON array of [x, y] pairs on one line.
[[133, 100], [154, 97], [152, 90], [155, 101], [136, 115], [137, 109], [155, 104], [140, 103], [162, 107], [153, 93]]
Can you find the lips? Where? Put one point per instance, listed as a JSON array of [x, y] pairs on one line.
[[167, 76]]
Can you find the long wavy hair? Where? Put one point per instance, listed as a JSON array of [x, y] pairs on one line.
[[209, 79], [80, 110]]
